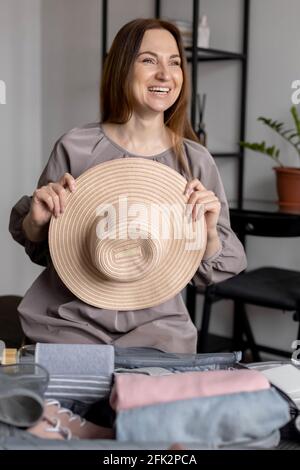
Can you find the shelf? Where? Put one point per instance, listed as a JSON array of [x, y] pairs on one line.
[[194, 56], [206, 55]]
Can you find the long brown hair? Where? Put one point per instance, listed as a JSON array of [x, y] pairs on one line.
[[116, 100]]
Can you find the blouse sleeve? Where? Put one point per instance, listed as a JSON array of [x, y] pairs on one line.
[[230, 259], [56, 167]]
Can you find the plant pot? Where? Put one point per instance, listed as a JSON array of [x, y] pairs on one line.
[[288, 186]]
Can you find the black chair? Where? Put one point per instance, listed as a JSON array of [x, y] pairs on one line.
[[10, 327], [267, 286]]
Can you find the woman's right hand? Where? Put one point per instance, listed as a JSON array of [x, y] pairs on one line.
[[47, 201]]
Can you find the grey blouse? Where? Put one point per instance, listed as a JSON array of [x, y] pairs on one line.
[[51, 313]]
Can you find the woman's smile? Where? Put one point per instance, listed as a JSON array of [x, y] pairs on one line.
[[159, 91]]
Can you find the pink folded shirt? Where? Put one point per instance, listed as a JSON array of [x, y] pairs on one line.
[[135, 390]]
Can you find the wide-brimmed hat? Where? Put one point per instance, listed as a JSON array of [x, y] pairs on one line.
[[124, 241]]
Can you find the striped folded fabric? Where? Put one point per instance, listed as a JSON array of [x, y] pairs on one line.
[[78, 372], [84, 388]]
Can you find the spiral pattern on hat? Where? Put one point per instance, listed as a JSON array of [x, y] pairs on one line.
[[162, 267]]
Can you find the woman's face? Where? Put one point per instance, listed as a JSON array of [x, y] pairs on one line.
[[157, 73]]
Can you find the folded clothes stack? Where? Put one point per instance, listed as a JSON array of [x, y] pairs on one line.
[[201, 401], [214, 408]]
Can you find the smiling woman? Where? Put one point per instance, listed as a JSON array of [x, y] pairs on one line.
[[144, 99], [157, 79], [147, 120]]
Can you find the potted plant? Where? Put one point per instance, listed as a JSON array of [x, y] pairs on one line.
[[288, 178]]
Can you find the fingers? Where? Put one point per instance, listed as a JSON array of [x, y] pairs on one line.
[[41, 196], [67, 181], [50, 200], [53, 196], [199, 209], [202, 196], [202, 201], [58, 194], [193, 185]]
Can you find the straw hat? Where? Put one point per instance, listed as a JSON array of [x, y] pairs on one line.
[[124, 241]]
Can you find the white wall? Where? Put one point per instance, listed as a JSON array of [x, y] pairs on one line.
[[274, 47], [20, 127], [70, 66], [50, 62], [273, 65]]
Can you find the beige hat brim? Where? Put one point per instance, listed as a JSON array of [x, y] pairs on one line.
[[140, 180]]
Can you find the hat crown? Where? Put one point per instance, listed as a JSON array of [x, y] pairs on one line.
[[124, 251]]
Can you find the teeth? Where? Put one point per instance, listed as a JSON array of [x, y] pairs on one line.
[[157, 88]]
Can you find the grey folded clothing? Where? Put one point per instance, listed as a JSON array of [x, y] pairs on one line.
[[151, 357], [22, 388], [75, 359], [215, 422]]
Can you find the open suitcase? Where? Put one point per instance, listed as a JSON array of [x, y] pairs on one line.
[[134, 359]]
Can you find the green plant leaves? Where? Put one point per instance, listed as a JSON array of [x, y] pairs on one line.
[[290, 135], [275, 125], [261, 147], [296, 118]]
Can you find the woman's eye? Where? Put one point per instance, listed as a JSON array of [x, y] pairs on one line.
[[148, 61]]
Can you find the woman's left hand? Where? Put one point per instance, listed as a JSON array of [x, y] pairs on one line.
[[200, 199], [198, 195]]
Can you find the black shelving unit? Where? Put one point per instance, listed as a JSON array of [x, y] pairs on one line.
[[104, 29], [194, 56], [205, 55]]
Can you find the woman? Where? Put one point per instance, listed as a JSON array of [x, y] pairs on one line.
[[144, 95]]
